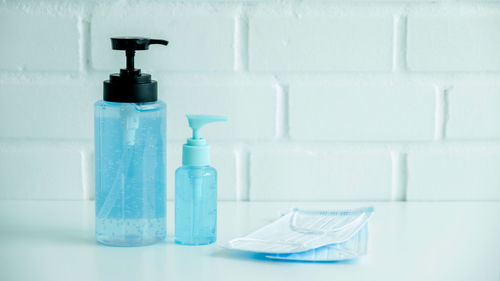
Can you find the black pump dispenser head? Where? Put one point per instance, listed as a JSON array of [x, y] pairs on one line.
[[130, 85]]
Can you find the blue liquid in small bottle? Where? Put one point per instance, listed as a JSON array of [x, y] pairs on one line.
[[130, 157], [195, 205]]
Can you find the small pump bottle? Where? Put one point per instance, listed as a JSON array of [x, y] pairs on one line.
[[130, 152], [196, 188]]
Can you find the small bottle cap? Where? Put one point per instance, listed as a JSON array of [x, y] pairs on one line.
[[196, 151]]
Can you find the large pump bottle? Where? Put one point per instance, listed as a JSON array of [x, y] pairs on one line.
[[130, 152]]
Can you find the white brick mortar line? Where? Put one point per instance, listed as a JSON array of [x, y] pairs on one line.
[[441, 112], [399, 44], [282, 109], [84, 44], [241, 41], [242, 174], [87, 174], [399, 175]]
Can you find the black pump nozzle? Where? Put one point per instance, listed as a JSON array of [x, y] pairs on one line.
[[132, 44], [130, 85]]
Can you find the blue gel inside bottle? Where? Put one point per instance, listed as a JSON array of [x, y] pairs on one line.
[[130, 157], [195, 205]]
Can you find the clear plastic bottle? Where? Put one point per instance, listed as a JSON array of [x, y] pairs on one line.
[[196, 188], [130, 155], [130, 173], [195, 205]]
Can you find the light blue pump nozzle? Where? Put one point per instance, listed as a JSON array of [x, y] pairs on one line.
[[196, 152], [196, 122]]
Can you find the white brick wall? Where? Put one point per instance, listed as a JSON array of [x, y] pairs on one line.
[[454, 175], [38, 42], [384, 100], [43, 170], [362, 112], [61, 109], [454, 43], [474, 111], [319, 174], [319, 43]]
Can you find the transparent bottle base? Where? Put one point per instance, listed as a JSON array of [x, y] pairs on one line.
[[198, 242], [130, 241], [130, 232]]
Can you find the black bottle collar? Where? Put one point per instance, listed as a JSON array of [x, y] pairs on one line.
[[130, 85]]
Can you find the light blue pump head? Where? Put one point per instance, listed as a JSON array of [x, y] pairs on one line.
[[196, 151]]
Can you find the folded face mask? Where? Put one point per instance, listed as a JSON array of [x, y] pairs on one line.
[[310, 235], [350, 249]]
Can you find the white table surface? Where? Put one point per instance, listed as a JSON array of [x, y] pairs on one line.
[[53, 240]]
